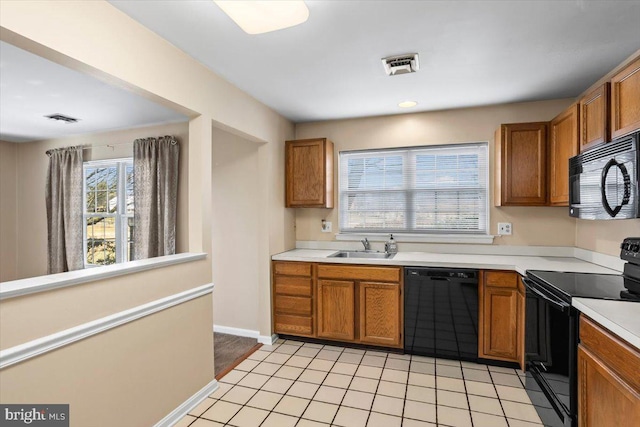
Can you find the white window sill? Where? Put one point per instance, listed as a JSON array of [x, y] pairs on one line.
[[32, 285], [421, 238]]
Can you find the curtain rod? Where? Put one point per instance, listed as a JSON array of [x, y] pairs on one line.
[[112, 146]]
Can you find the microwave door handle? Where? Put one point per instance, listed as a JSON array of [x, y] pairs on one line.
[[603, 187]]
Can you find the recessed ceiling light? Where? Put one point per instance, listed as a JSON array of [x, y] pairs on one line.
[[407, 104], [257, 17]]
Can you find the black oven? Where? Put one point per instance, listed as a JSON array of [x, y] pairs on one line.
[[603, 181], [550, 344]]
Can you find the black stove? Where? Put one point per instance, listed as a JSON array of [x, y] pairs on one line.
[[551, 336]]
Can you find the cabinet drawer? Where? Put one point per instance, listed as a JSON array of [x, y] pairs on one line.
[[293, 305], [289, 285], [501, 279], [292, 268], [285, 324], [614, 352], [383, 274]]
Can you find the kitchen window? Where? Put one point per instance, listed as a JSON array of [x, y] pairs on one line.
[[439, 189], [108, 211]]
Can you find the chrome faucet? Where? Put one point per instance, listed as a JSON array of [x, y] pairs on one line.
[[366, 244]]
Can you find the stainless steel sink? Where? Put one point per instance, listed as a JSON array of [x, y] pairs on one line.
[[362, 254]]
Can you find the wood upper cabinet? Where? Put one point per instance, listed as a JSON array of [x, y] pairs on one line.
[[625, 100], [336, 309], [608, 378], [594, 117], [563, 144], [380, 313], [521, 164], [501, 322], [309, 173]]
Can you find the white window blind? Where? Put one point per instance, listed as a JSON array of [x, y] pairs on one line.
[[429, 189]]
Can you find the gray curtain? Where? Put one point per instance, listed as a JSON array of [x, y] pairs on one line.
[[63, 195], [155, 162]]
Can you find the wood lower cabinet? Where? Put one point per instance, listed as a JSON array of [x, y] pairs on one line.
[[625, 100], [293, 298], [608, 378], [380, 309], [349, 303], [563, 144], [501, 317], [309, 173], [336, 309], [521, 164], [594, 117]]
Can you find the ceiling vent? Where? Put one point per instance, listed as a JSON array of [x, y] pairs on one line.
[[401, 64], [62, 118]]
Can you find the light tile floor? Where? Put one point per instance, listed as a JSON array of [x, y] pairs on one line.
[[310, 385]]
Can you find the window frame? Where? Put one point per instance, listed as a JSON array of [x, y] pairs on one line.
[[413, 234], [121, 216]]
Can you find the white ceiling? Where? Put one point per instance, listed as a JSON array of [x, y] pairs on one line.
[[471, 52], [32, 87]]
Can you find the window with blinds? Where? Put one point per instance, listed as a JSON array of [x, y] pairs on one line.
[[424, 190]]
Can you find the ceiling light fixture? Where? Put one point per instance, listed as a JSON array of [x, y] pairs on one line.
[[407, 104], [257, 17]]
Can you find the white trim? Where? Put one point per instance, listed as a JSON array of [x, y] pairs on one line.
[[426, 238], [32, 285], [51, 342], [268, 340], [185, 407], [248, 333]]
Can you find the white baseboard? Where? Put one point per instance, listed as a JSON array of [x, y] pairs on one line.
[[262, 339], [186, 406]]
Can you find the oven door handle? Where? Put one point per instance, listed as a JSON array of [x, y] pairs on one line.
[[560, 305]]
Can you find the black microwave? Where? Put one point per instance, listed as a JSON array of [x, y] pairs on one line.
[[603, 181]]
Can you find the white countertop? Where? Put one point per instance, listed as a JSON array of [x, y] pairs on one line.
[[620, 317], [487, 262]]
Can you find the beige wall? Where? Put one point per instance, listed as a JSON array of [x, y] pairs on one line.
[[129, 376], [605, 236], [8, 188], [236, 232], [531, 226], [32, 174]]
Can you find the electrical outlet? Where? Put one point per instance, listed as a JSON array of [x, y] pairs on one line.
[[326, 226], [504, 228]]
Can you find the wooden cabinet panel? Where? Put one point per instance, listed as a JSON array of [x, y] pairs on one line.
[[614, 352], [380, 274], [594, 117], [521, 165], [625, 100], [380, 311], [295, 325], [336, 309], [604, 399], [309, 173], [293, 305], [286, 285], [563, 144], [500, 329], [292, 268], [503, 279]]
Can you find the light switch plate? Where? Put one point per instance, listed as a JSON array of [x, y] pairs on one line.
[[326, 226], [504, 229]]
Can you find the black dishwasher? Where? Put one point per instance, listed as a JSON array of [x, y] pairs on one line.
[[441, 312]]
